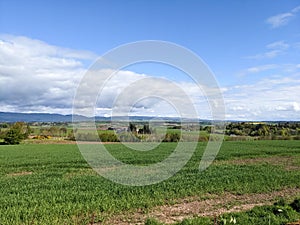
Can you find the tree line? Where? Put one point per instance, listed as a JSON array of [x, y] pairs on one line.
[[275, 130], [15, 133]]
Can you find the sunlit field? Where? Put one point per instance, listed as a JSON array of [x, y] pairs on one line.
[[53, 184]]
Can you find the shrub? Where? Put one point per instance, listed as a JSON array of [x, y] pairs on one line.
[[18, 132], [296, 205], [108, 137], [12, 137], [151, 221], [172, 137]]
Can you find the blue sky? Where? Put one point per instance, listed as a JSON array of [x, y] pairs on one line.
[[253, 48]]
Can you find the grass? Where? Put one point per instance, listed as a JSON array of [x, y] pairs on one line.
[[53, 184]]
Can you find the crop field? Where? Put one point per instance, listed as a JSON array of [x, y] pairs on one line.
[[53, 184]]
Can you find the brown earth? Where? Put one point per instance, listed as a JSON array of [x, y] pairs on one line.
[[288, 162], [209, 205], [22, 173], [56, 141], [294, 223]]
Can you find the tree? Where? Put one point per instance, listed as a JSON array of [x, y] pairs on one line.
[[18, 132], [63, 131], [132, 128], [145, 130], [4, 125], [71, 135], [54, 131], [172, 137], [12, 137]]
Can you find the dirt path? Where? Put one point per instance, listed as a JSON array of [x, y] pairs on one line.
[[209, 205]]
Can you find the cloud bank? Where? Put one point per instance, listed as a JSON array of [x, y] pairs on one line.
[[38, 77], [275, 98], [35, 76]]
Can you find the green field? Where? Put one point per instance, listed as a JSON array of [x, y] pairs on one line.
[[53, 184]]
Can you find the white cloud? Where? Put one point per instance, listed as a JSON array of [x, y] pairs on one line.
[[279, 20], [258, 69], [32, 47], [291, 68], [278, 45], [282, 19], [296, 106], [274, 98], [296, 9], [127, 92], [274, 49], [36, 76]]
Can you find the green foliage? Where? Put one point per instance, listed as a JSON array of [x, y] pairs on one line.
[[108, 137], [87, 137], [280, 130], [129, 137], [264, 215], [61, 188], [4, 125], [172, 137], [132, 128], [196, 221], [54, 131], [16, 133], [296, 205], [71, 135], [12, 137], [151, 221], [145, 130]]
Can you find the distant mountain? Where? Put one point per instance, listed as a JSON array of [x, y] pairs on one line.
[[11, 117], [36, 117]]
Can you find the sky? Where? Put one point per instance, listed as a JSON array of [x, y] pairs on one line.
[[252, 47]]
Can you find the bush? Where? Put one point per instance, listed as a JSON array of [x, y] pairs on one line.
[[151, 221], [86, 137], [128, 137], [203, 138], [172, 137], [18, 132], [12, 137], [296, 205], [108, 137]]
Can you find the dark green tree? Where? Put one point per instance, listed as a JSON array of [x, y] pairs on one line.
[[132, 128], [12, 137], [17, 132], [63, 131]]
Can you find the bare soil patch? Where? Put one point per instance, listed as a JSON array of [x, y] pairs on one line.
[[209, 205], [288, 162], [59, 141], [294, 223], [22, 173], [48, 141], [80, 172]]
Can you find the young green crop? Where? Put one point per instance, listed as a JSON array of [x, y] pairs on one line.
[[53, 184]]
